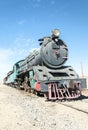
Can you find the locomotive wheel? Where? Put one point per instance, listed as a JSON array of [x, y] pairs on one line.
[[18, 87], [36, 93], [26, 87], [46, 95]]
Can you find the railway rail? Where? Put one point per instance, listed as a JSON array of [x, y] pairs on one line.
[[80, 105], [78, 109]]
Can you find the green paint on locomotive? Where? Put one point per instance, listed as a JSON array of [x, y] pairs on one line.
[[32, 80], [14, 74]]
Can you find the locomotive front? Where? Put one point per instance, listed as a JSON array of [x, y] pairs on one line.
[[53, 52]]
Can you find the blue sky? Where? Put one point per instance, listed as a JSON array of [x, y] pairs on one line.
[[23, 22]]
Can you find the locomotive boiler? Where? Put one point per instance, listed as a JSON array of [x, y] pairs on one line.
[[43, 70], [52, 53]]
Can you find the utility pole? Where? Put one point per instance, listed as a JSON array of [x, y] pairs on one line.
[[82, 70]]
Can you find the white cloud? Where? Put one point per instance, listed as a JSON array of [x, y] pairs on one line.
[[52, 2], [21, 49], [5, 61], [23, 46], [21, 22]]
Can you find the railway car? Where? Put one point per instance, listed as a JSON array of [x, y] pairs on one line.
[[10, 79], [44, 72], [6, 80]]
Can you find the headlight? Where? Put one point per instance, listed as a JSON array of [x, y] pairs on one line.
[[55, 33]]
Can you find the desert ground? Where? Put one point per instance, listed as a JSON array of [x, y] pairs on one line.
[[24, 111]]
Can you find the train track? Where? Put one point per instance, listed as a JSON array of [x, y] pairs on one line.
[[73, 107], [80, 105], [69, 103]]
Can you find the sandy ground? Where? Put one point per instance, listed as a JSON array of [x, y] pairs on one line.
[[11, 115], [23, 111]]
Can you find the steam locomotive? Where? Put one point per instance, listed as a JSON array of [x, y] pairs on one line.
[[44, 72]]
